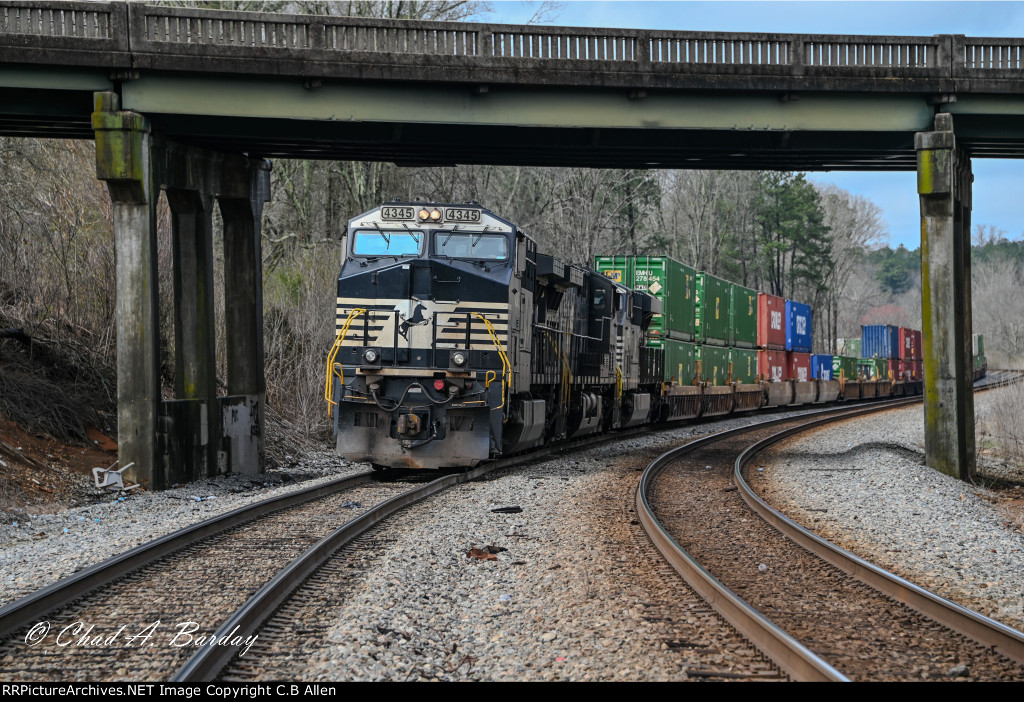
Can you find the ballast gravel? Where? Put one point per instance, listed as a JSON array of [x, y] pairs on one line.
[[559, 603], [864, 485], [39, 549]]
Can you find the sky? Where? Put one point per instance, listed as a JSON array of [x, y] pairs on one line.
[[998, 183]]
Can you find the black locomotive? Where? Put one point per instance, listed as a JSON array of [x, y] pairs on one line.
[[458, 341]]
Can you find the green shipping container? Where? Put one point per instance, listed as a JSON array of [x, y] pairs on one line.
[[744, 318], [665, 278], [849, 347], [744, 362], [714, 299], [978, 345], [680, 359], [874, 368], [845, 364], [618, 268], [714, 364], [671, 282]]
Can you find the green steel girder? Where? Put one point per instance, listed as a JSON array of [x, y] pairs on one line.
[[62, 78], [525, 107]]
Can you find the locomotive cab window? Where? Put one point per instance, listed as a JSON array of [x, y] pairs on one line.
[[477, 246], [371, 242]]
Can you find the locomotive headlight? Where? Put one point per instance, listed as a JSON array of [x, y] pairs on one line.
[[459, 358], [435, 215], [423, 214], [370, 356]]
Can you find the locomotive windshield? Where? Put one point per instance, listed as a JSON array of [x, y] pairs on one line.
[[372, 242], [492, 247]]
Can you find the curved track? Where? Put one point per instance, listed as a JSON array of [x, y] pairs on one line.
[[807, 604]]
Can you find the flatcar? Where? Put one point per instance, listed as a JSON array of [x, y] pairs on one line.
[[458, 341]]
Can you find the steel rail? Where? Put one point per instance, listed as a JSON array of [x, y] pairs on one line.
[[988, 632], [208, 661], [789, 654], [21, 612]]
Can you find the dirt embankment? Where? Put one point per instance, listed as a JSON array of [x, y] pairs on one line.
[[57, 416]]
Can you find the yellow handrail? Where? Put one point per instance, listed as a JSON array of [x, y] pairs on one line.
[[507, 367], [618, 383], [331, 372]]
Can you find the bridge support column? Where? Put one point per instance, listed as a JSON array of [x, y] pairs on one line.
[[193, 437], [944, 184], [245, 188], [123, 160]]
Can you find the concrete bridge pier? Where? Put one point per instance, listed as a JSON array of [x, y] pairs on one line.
[[190, 434], [245, 189], [944, 184], [123, 160], [197, 434]]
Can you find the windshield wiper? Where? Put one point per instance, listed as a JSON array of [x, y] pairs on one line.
[[385, 237]]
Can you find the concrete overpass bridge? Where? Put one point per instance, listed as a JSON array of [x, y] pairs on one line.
[[193, 102]]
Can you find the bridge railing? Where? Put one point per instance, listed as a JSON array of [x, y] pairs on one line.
[[721, 49], [166, 29], [315, 40], [45, 25], [977, 56]]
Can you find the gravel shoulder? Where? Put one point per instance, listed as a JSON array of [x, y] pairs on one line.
[[576, 596], [39, 549], [863, 485]]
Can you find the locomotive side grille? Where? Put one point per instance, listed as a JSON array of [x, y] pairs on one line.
[[365, 419]]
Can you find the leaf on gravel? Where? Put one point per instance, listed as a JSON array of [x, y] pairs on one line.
[[481, 555]]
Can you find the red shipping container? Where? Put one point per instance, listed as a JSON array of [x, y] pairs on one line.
[[899, 370], [771, 322], [771, 365], [918, 347], [906, 342], [799, 365], [917, 369]]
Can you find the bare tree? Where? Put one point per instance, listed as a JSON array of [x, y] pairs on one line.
[[998, 309], [856, 225]]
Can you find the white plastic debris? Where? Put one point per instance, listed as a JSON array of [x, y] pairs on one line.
[[110, 478]]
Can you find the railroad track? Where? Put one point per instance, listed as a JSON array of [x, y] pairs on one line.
[[229, 573], [127, 618], [801, 607]]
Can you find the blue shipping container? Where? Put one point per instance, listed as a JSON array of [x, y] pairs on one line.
[[798, 327], [821, 367], [880, 341]]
